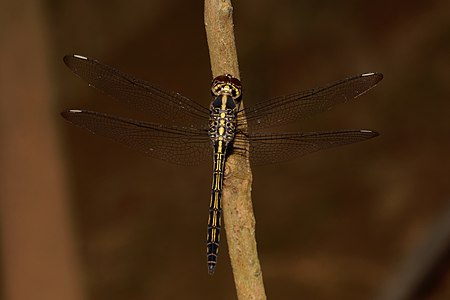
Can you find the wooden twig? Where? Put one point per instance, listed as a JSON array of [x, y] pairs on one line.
[[237, 205]]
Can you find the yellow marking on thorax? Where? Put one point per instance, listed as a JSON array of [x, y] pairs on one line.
[[222, 117], [224, 103]]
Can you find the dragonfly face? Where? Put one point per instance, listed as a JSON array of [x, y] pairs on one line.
[[227, 84], [181, 131]]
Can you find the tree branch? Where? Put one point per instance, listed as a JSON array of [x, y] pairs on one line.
[[237, 205]]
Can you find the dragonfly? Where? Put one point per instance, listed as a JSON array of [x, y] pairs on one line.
[[184, 132]]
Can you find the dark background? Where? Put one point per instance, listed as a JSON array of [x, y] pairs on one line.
[[338, 224]]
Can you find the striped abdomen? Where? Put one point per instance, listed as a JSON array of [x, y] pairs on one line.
[[215, 209]]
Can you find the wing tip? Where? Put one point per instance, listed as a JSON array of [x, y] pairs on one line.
[[66, 113], [369, 133], [80, 56], [70, 58], [375, 75], [76, 56]]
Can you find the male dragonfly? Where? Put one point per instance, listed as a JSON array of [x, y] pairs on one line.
[[187, 133]]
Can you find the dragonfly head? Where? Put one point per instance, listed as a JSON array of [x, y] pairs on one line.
[[228, 85]]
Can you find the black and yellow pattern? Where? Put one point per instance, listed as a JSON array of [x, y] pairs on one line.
[[215, 211], [175, 129], [227, 92]]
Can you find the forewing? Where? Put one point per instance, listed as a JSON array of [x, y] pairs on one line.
[[288, 108], [159, 104]]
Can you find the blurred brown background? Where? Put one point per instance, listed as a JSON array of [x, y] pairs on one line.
[[85, 218]]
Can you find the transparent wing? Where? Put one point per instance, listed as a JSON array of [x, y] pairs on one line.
[[267, 148], [288, 108], [159, 104], [183, 146]]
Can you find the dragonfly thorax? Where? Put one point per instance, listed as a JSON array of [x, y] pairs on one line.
[[222, 122]]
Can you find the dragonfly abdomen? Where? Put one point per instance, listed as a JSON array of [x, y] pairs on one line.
[[215, 210]]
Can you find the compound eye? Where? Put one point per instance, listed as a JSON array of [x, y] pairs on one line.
[[219, 80], [236, 82]]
